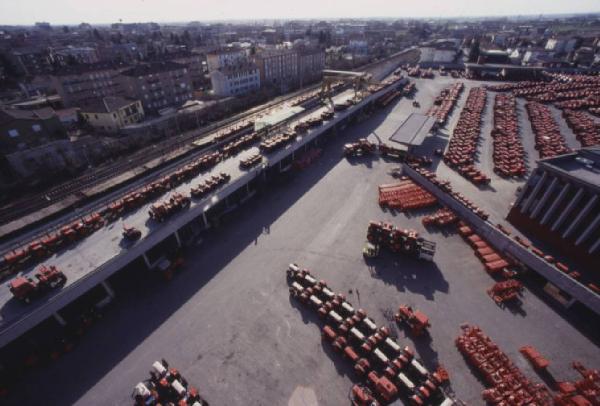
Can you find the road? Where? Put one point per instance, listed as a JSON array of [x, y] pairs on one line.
[[228, 324]]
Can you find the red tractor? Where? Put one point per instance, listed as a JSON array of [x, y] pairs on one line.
[[416, 320], [48, 277], [362, 396], [360, 148], [131, 233]]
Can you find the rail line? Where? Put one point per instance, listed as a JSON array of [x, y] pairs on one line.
[[32, 203]]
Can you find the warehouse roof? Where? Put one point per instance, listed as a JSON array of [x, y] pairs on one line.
[[582, 165], [413, 130]]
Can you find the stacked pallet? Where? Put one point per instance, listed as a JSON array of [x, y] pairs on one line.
[[405, 195]]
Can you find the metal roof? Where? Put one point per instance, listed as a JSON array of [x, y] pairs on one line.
[[413, 130]]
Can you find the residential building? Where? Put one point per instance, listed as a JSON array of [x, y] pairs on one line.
[[560, 205], [82, 85], [112, 113], [30, 61], [311, 63], [225, 57], [70, 55], [158, 85], [193, 63], [278, 68], [235, 80], [21, 129]]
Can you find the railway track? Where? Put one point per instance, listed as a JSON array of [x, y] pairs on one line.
[[32, 203], [44, 199]]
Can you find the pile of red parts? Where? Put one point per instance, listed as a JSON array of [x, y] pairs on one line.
[[405, 195], [508, 385], [463, 144], [585, 392], [508, 151]]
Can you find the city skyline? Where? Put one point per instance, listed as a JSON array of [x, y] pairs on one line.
[[74, 12]]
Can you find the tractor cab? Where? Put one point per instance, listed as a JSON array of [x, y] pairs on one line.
[[22, 288], [370, 250], [131, 233]]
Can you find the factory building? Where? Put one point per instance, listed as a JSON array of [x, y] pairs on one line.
[[560, 205]]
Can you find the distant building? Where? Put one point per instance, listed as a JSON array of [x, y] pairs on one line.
[[81, 85], [68, 55], [278, 68], [21, 129], [158, 85], [193, 63], [311, 63], [560, 205], [235, 80], [30, 61], [225, 57], [432, 57], [112, 113]]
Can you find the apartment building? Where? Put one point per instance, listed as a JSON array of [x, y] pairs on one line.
[[225, 57], [311, 63], [235, 80], [278, 68], [82, 85], [112, 113], [21, 129], [158, 85]]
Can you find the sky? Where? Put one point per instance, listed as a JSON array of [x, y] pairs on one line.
[[21, 12]]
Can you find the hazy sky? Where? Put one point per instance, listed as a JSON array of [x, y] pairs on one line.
[[108, 11]]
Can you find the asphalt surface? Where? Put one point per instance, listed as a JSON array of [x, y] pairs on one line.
[[227, 322]]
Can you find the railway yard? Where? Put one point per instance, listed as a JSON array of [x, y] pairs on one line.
[[243, 331]]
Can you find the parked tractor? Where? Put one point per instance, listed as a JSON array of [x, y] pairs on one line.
[[417, 321], [25, 288], [360, 148], [131, 233], [370, 250]]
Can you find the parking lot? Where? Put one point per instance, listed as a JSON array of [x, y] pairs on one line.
[[227, 321]]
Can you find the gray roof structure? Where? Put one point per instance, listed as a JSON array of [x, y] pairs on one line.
[[413, 130], [582, 166]]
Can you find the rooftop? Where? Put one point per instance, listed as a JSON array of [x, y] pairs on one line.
[[414, 129], [151, 68], [8, 114], [108, 104], [582, 165]]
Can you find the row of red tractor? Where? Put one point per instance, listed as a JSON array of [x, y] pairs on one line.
[[462, 147], [444, 104], [388, 371], [549, 142], [445, 186], [508, 155], [77, 230], [586, 130]]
